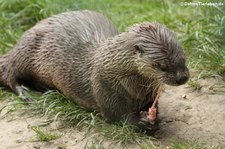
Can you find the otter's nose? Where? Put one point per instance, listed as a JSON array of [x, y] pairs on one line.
[[182, 80]]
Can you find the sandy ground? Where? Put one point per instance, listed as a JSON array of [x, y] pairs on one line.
[[201, 117]]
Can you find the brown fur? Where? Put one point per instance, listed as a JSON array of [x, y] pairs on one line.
[[82, 55]]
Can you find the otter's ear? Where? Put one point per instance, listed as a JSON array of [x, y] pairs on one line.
[[138, 49]]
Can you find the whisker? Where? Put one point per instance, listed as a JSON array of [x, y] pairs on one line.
[[143, 86]]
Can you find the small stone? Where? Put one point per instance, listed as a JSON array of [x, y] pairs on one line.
[[184, 96], [167, 147]]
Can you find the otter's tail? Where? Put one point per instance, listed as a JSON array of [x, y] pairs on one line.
[[3, 69]]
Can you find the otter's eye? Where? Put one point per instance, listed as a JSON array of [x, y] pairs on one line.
[[163, 67], [139, 49]]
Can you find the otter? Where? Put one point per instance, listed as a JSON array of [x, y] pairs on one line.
[[83, 55]]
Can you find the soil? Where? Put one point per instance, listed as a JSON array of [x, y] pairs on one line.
[[185, 115]]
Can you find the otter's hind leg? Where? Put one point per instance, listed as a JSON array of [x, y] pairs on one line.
[[22, 92], [8, 78], [19, 89]]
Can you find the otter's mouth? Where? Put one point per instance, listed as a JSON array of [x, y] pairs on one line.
[[177, 78], [176, 83]]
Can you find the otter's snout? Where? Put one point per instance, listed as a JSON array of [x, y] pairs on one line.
[[181, 80], [182, 76], [178, 77]]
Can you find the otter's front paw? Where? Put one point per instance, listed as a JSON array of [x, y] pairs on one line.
[[148, 116], [148, 127]]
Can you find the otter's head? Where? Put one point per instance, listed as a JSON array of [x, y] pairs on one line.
[[159, 54]]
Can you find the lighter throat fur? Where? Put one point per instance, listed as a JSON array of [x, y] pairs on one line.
[[82, 55]]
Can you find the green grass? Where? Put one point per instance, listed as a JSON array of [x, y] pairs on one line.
[[209, 43], [201, 30], [56, 106], [95, 144], [193, 84], [44, 135]]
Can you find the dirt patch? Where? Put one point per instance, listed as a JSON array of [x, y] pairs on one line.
[[15, 133], [200, 116]]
